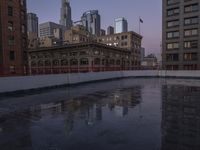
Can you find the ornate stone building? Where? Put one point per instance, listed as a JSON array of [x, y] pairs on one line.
[[81, 57]]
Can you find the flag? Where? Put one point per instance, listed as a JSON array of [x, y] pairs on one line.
[[141, 20]]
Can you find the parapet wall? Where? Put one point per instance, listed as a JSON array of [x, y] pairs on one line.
[[13, 84]]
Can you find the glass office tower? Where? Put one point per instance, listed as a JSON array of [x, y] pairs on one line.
[[92, 22], [121, 25]]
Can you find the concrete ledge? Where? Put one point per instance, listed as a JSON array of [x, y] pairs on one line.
[[14, 84]]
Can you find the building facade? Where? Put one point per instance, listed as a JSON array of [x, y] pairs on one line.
[[47, 29], [65, 14], [149, 62], [121, 25], [32, 23], [78, 34], [181, 38], [92, 22], [142, 52], [110, 30], [82, 57], [126, 40], [102, 32], [13, 37]]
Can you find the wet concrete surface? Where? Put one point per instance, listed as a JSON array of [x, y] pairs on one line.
[[126, 114]]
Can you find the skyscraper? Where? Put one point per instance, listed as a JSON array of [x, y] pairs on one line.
[[121, 25], [47, 29], [32, 23], [102, 32], [13, 37], [181, 36], [92, 21], [110, 30], [65, 14]]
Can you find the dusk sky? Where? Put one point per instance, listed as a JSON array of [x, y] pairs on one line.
[[150, 12]]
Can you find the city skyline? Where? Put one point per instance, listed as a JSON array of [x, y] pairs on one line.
[[151, 15]]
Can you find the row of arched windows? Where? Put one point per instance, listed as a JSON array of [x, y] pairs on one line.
[[82, 61]]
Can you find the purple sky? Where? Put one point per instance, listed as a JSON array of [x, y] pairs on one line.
[[149, 10]]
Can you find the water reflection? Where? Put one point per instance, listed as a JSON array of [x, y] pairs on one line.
[[41, 126], [151, 115], [180, 118]]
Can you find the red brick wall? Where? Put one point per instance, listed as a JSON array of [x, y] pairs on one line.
[[17, 47]]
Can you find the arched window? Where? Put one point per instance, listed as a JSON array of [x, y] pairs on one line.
[[40, 63], [97, 61], [33, 64], [118, 62], [112, 62], [73, 62], [84, 61], [56, 62], [103, 62], [47, 63], [64, 62]]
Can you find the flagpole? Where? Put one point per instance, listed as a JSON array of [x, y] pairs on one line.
[[139, 26]]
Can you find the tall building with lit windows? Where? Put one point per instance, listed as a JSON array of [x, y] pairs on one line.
[[181, 34], [13, 37]]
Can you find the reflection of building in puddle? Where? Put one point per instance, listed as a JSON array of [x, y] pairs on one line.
[[180, 118], [89, 109], [122, 100], [121, 111]]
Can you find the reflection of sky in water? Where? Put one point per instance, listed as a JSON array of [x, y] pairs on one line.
[[125, 114]]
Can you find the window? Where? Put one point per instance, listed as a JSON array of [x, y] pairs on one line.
[[174, 11], [172, 2], [10, 25], [23, 16], [23, 29], [174, 34], [171, 46], [172, 67], [172, 57], [191, 8], [191, 32], [173, 23], [192, 20], [12, 55], [10, 11], [190, 56], [10, 40], [84, 61], [22, 2], [64, 62], [190, 67], [191, 44], [73, 62], [24, 42], [55, 62]]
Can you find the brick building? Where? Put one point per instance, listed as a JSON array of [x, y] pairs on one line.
[[126, 40], [13, 37]]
